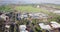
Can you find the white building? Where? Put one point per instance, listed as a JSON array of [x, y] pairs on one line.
[[22, 28], [38, 6], [4, 17], [57, 11], [43, 26], [55, 25]]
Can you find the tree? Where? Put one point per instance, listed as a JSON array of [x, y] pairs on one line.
[[5, 8], [2, 25]]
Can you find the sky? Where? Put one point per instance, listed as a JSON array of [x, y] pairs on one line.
[[29, 1]]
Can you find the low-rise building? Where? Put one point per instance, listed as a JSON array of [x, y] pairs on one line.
[[22, 28]]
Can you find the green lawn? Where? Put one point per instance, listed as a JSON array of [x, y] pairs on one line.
[[30, 9], [23, 9]]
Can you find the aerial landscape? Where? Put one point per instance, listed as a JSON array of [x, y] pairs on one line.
[[29, 16]]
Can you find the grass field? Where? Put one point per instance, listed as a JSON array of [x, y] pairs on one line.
[[30, 9]]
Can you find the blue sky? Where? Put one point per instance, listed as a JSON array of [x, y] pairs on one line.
[[30, 1]]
